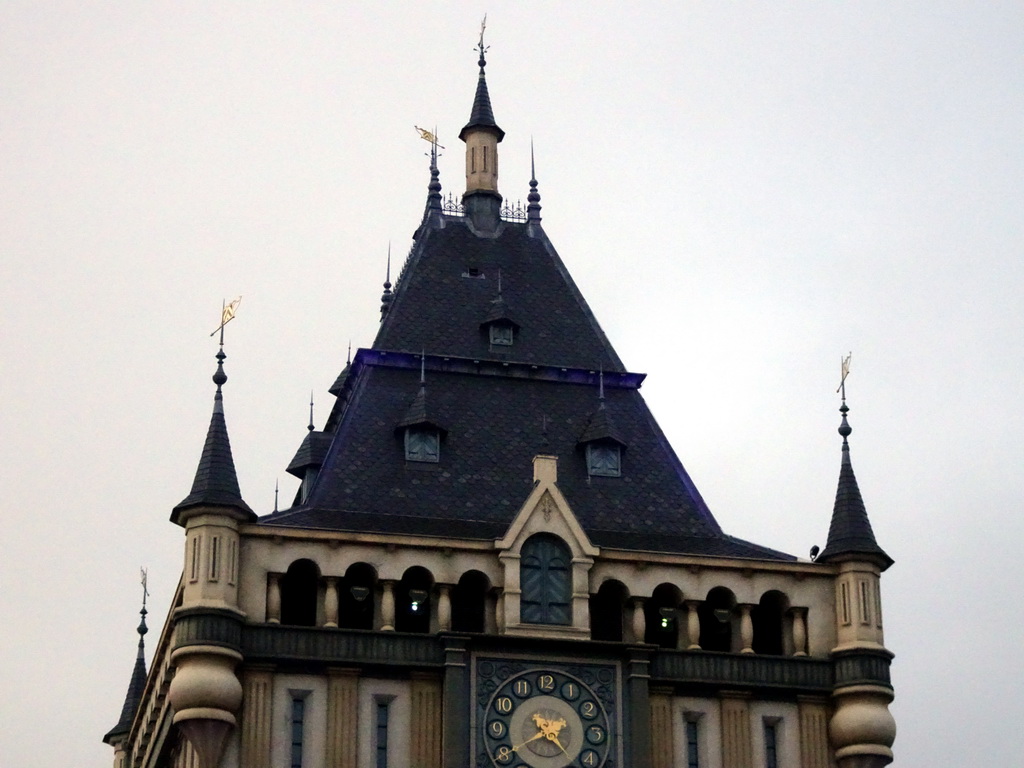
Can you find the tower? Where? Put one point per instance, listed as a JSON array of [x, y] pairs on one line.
[[495, 558]]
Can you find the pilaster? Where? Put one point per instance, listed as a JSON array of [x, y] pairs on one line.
[[257, 715], [737, 740], [662, 744], [342, 718], [814, 749], [425, 741]]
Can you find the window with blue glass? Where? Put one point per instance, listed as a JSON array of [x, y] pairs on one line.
[[381, 734], [545, 577], [298, 724], [771, 747], [692, 744]]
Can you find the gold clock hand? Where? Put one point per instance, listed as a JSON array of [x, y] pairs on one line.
[[538, 736], [554, 738]]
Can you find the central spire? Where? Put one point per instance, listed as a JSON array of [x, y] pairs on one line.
[[482, 135]]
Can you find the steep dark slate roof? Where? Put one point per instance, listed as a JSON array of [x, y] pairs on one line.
[[215, 483], [498, 418], [133, 697], [482, 116], [602, 427], [310, 454], [850, 534], [438, 308]]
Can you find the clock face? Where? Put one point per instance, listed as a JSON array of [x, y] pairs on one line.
[[546, 718]]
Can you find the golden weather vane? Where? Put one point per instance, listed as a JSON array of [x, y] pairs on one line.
[[428, 136], [227, 314], [844, 364]]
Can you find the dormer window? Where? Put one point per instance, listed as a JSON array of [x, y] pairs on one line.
[[422, 443], [604, 459], [501, 334]]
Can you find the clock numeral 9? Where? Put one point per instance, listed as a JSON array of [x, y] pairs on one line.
[[546, 682], [595, 735], [504, 755], [588, 758], [503, 705], [588, 709], [496, 728]]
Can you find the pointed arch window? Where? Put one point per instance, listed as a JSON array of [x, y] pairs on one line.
[[545, 577]]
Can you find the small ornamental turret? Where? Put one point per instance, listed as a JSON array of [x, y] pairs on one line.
[[482, 135], [117, 735], [862, 729], [205, 692]]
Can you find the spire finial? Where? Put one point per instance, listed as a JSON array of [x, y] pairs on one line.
[[310, 426], [499, 282], [227, 314], [533, 199], [277, 488], [423, 368], [387, 296], [600, 384], [349, 360], [143, 629]]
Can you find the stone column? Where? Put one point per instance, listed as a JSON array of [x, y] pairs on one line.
[[662, 747], [444, 607], [737, 740], [638, 708], [455, 709], [799, 631], [639, 620], [273, 598], [342, 718], [693, 625], [746, 628], [257, 715], [814, 749], [387, 605], [425, 737], [492, 612], [331, 601]]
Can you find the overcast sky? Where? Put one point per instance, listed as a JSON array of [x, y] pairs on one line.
[[743, 191]]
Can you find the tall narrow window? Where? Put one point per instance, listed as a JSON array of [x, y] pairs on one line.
[[472, 159], [194, 560], [214, 558], [692, 745], [865, 603], [381, 749], [232, 562], [844, 603], [298, 719], [771, 750], [485, 159], [545, 577]]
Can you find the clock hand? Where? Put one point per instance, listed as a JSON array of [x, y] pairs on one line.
[[554, 738], [538, 736]]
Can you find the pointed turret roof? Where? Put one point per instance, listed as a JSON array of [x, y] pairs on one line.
[[215, 483], [849, 535], [136, 686], [482, 115]]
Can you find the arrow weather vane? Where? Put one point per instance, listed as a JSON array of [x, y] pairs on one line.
[[844, 364]]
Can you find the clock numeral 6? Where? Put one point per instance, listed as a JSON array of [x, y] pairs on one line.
[[503, 705], [497, 729]]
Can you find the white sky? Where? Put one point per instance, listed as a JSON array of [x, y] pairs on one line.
[[744, 191]]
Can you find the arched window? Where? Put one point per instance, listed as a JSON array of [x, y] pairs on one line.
[[606, 609], [661, 616], [355, 597], [716, 615], [545, 576], [469, 603], [412, 601], [768, 618], [299, 592]]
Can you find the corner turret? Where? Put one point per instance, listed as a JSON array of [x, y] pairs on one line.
[[862, 729], [117, 735]]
